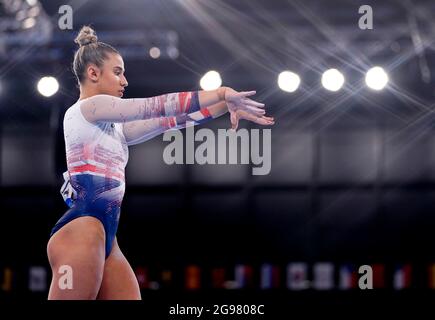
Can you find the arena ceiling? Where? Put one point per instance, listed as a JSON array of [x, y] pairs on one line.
[[248, 41]]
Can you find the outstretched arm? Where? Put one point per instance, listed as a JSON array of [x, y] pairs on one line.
[[113, 109], [143, 130], [237, 103]]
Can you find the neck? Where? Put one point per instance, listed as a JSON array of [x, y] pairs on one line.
[[87, 92]]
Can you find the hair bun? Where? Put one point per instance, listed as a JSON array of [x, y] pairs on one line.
[[86, 36]]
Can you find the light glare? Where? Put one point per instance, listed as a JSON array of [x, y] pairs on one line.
[[288, 81], [332, 80], [211, 81], [48, 86], [376, 78]]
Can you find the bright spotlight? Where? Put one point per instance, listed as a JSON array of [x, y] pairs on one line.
[[376, 78], [332, 80], [288, 81], [48, 86], [173, 52], [155, 52], [211, 81]]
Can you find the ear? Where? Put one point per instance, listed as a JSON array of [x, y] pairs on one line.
[[93, 73]]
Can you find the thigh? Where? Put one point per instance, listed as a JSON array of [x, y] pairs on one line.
[[77, 248], [119, 281]]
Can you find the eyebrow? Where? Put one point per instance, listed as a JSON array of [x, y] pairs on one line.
[[119, 68]]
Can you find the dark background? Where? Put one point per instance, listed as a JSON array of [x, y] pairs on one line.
[[353, 172]]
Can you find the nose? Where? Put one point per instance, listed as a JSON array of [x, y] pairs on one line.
[[124, 82]]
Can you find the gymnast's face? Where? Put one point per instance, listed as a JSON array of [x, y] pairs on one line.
[[110, 79]]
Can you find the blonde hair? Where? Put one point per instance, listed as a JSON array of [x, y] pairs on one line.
[[90, 51]]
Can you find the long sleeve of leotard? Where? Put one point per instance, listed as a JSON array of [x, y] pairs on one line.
[[143, 130], [113, 109]]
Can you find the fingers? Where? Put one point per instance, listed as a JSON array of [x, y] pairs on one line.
[[246, 108], [254, 110], [266, 121], [234, 120], [252, 106], [263, 120], [242, 107], [268, 118], [253, 103], [246, 93]]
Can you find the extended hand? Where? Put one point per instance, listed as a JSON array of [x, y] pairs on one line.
[[241, 107]]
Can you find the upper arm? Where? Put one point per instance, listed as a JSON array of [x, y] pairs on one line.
[[114, 109]]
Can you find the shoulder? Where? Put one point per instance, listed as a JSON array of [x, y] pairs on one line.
[[95, 108], [97, 99], [74, 115], [88, 107], [69, 113]]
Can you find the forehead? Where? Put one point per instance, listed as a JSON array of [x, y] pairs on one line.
[[114, 60]]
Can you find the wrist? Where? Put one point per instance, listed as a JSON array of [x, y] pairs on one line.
[[221, 93]]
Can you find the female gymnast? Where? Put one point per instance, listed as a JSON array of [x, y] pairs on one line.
[[98, 129]]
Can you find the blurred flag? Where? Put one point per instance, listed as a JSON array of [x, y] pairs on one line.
[[348, 277], [269, 277], [142, 277], [378, 276], [243, 276], [402, 277], [297, 276], [431, 276], [323, 276], [193, 277], [218, 278], [37, 279], [167, 278], [7, 280]]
